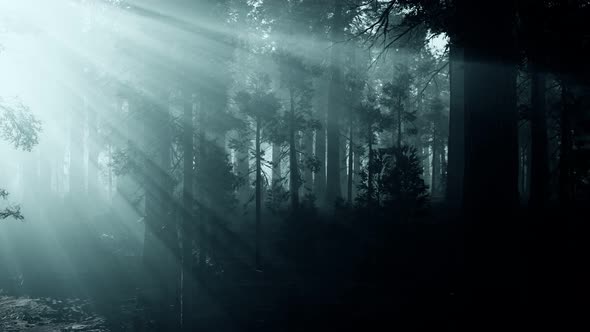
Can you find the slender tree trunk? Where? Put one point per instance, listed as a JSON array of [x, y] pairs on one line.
[[456, 158], [539, 141], [276, 163], [350, 158], [333, 188], [356, 166], [258, 197], [308, 150], [400, 110], [370, 170], [442, 187], [293, 162], [435, 161]]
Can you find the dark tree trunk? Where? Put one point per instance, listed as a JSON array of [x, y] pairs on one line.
[[539, 150], [308, 152], [319, 181], [491, 140], [565, 148], [456, 128], [356, 165], [258, 197], [294, 179], [350, 158], [435, 162], [400, 111], [276, 163], [370, 169], [333, 188]]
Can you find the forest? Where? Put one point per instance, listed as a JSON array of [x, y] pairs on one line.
[[293, 165]]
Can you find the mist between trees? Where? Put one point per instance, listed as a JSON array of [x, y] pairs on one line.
[[273, 164]]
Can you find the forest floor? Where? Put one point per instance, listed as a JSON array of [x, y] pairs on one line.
[[20, 314]]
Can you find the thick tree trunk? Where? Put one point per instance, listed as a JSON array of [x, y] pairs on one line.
[[333, 188], [539, 150], [456, 128], [491, 140]]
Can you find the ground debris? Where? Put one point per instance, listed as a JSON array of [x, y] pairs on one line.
[[48, 315]]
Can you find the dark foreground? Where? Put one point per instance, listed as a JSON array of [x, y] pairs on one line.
[[436, 274]]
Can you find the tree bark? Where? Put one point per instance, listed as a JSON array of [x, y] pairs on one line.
[[294, 179], [258, 197], [539, 150], [370, 169], [350, 157], [435, 161], [491, 140], [456, 128], [565, 189], [333, 188]]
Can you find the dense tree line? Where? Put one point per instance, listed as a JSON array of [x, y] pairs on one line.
[[216, 121]]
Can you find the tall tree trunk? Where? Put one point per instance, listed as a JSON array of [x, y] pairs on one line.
[[243, 169], [456, 127], [356, 165], [187, 216], [442, 187], [276, 163], [319, 181], [539, 150], [370, 169], [565, 178], [350, 157], [258, 197], [400, 111], [491, 133], [293, 162], [308, 152], [333, 188], [435, 161]]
